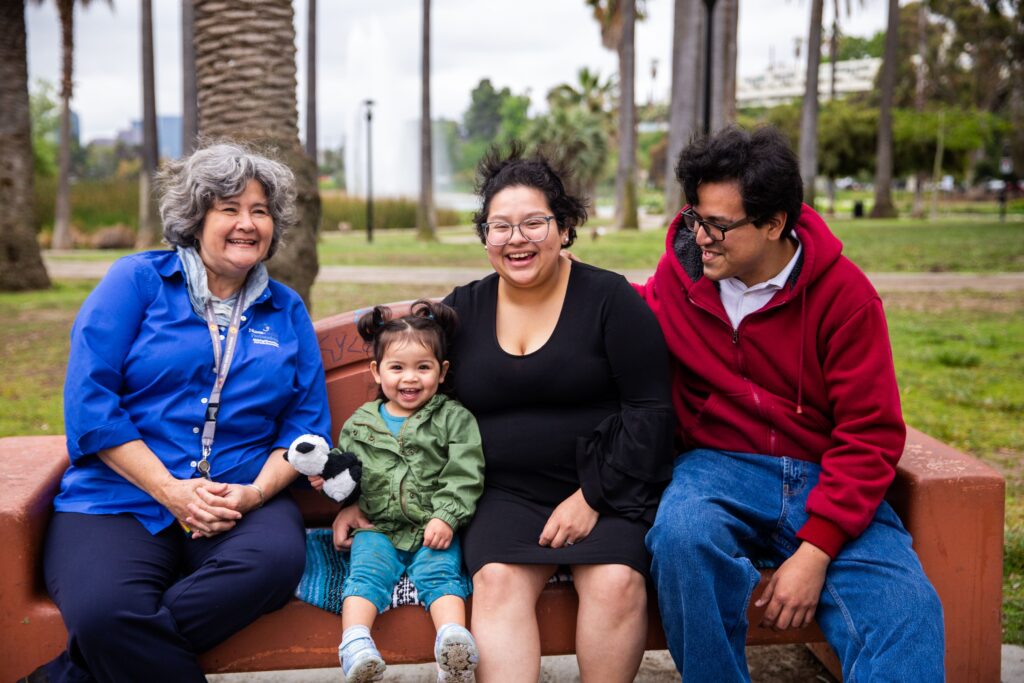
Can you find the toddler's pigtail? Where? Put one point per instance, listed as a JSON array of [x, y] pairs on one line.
[[441, 315], [370, 324]]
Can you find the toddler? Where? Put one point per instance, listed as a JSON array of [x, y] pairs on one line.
[[422, 472]]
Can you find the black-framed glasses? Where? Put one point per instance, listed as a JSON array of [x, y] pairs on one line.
[[692, 220], [533, 229]]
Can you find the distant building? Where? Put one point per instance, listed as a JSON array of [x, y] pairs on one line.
[[781, 85], [76, 127], [168, 132]]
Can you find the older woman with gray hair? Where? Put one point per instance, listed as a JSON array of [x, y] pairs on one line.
[[190, 373]]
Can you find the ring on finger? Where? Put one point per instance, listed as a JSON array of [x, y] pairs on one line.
[[570, 542]]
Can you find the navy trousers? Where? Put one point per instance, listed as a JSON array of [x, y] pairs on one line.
[[139, 607]]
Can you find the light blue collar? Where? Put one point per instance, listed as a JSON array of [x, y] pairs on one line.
[[199, 292]]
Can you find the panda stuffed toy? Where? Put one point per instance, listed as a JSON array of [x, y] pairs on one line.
[[341, 471]]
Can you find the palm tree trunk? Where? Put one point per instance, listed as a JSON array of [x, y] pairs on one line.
[[21, 266], [884, 207], [917, 211], [149, 223], [833, 55], [189, 107], [625, 176], [253, 101], [809, 112], [426, 220], [62, 210], [685, 96], [723, 109], [311, 132]]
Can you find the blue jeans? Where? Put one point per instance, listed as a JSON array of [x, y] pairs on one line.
[[721, 511], [376, 566]]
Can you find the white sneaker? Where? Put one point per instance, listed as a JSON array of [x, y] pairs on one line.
[[455, 651], [364, 665], [455, 677]]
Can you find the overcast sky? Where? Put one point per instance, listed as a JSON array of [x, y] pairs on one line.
[[371, 50]]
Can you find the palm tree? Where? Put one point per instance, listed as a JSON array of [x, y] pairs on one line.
[[189, 112], [578, 137], [589, 92], [685, 102], [809, 112], [884, 207], [426, 219], [246, 91], [833, 57], [311, 80], [726, 27], [21, 266], [920, 87], [149, 222], [62, 211], [617, 19]]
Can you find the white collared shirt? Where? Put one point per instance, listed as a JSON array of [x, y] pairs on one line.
[[740, 301]]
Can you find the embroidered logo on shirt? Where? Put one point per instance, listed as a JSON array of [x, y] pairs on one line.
[[264, 336]]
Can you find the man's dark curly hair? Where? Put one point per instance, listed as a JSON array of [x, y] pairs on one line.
[[499, 170], [761, 162]]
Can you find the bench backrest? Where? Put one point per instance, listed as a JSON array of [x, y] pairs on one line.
[[347, 363]]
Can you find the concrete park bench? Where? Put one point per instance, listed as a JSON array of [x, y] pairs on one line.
[[951, 503]]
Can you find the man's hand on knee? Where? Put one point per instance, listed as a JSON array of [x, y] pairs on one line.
[[793, 592]]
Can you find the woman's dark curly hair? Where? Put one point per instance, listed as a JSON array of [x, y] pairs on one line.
[[762, 163], [499, 170], [430, 323]]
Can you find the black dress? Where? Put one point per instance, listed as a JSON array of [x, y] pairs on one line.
[[591, 408]]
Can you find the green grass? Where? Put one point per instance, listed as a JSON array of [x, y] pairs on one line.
[[34, 337], [958, 360], [949, 245]]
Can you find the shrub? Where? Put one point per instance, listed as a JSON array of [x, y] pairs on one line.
[[387, 213], [94, 203]]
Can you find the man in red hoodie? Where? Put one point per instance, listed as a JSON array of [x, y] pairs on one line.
[[791, 428]]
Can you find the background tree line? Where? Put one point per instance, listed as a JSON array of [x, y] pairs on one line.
[[950, 99]]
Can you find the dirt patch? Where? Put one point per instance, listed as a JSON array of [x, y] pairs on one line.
[[1005, 303]]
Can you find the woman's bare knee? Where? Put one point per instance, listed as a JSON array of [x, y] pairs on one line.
[[615, 586], [496, 584]]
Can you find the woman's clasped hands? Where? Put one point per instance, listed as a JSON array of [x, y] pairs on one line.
[[208, 508]]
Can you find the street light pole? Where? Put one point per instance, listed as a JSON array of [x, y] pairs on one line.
[[369, 170], [709, 55]]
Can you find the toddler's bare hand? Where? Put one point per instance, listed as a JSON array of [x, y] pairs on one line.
[[437, 535]]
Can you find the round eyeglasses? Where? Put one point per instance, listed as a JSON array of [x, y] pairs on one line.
[[534, 229], [693, 220]]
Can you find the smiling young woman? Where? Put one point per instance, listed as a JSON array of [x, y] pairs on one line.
[[558, 361]]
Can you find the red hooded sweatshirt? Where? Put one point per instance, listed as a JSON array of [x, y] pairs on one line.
[[810, 375]]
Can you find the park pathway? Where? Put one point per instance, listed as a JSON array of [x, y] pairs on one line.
[[67, 269]]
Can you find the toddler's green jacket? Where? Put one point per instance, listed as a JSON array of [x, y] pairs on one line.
[[434, 468]]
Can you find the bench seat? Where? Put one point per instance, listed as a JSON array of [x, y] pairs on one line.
[[950, 502]]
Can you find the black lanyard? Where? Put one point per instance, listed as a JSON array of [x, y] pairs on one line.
[[221, 364]]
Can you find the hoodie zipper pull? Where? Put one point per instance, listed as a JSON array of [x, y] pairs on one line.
[[736, 336]]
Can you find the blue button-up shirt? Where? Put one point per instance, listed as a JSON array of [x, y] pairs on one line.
[[141, 367]]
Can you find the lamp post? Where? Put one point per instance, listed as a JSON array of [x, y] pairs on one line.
[[369, 170], [709, 54]]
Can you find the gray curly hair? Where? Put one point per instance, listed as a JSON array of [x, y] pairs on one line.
[[218, 171]]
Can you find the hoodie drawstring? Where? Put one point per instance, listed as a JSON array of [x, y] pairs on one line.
[[800, 367]]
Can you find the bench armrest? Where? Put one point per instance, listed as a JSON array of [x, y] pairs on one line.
[[29, 479], [953, 506]]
